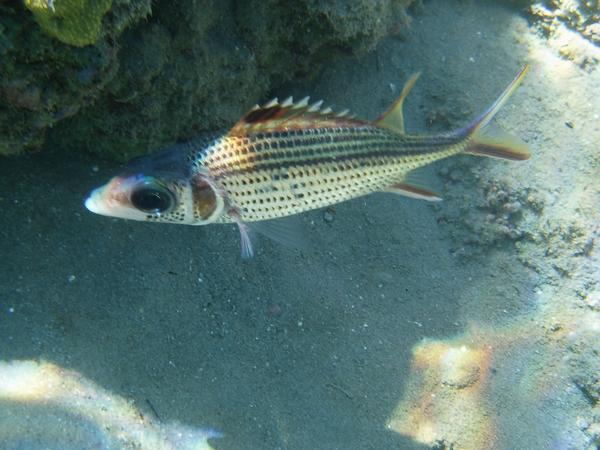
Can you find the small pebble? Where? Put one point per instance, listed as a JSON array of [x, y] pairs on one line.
[[71, 278], [554, 327], [582, 423], [456, 175], [274, 310]]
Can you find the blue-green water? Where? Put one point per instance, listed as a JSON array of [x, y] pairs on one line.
[[469, 324]]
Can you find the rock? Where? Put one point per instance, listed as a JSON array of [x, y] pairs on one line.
[[74, 22], [69, 56], [131, 86]]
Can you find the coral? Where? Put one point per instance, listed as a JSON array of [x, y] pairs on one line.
[[572, 27], [43, 81], [312, 29], [74, 22], [579, 15], [490, 212], [504, 213], [198, 66], [192, 66]]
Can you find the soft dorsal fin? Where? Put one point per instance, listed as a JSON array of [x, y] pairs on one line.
[[287, 115], [393, 118]]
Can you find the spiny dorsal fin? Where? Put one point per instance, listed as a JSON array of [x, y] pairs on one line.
[[393, 118], [289, 115]]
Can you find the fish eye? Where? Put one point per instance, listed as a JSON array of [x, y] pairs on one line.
[[151, 197]]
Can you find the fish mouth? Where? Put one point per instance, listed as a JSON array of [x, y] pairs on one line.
[[95, 203], [106, 202]]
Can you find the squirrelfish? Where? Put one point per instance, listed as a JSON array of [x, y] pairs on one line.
[[284, 158]]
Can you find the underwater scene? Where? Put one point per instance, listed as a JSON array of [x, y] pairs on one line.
[[196, 255]]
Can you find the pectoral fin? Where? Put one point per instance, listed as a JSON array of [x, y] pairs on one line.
[[288, 231], [245, 240], [414, 191]]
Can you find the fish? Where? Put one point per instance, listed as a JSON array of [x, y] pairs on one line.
[[285, 158]]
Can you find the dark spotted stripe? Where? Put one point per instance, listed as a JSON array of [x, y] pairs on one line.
[[311, 153], [361, 160]]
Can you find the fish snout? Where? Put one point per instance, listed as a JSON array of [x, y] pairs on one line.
[[93, 202]]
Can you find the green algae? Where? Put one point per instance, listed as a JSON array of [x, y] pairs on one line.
[[74, 22], [43, 80], [123, 86]]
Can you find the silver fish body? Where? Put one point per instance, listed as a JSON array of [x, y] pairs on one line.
[[285, 158], [280, 173]]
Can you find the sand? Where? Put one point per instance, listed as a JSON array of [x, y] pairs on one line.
[[398, 311]]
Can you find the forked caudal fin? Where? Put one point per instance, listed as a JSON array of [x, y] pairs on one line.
[[487, 140]]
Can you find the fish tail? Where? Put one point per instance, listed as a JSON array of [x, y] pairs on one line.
[[488, 140]]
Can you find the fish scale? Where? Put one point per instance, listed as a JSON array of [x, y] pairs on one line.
[[276, 174]]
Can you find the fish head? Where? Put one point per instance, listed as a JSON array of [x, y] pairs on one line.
[[159, 188], [141, 197]]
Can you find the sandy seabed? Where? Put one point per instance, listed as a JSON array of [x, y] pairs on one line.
[[474, 324]]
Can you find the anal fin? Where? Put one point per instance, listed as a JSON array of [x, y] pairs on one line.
[[413, 191]]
